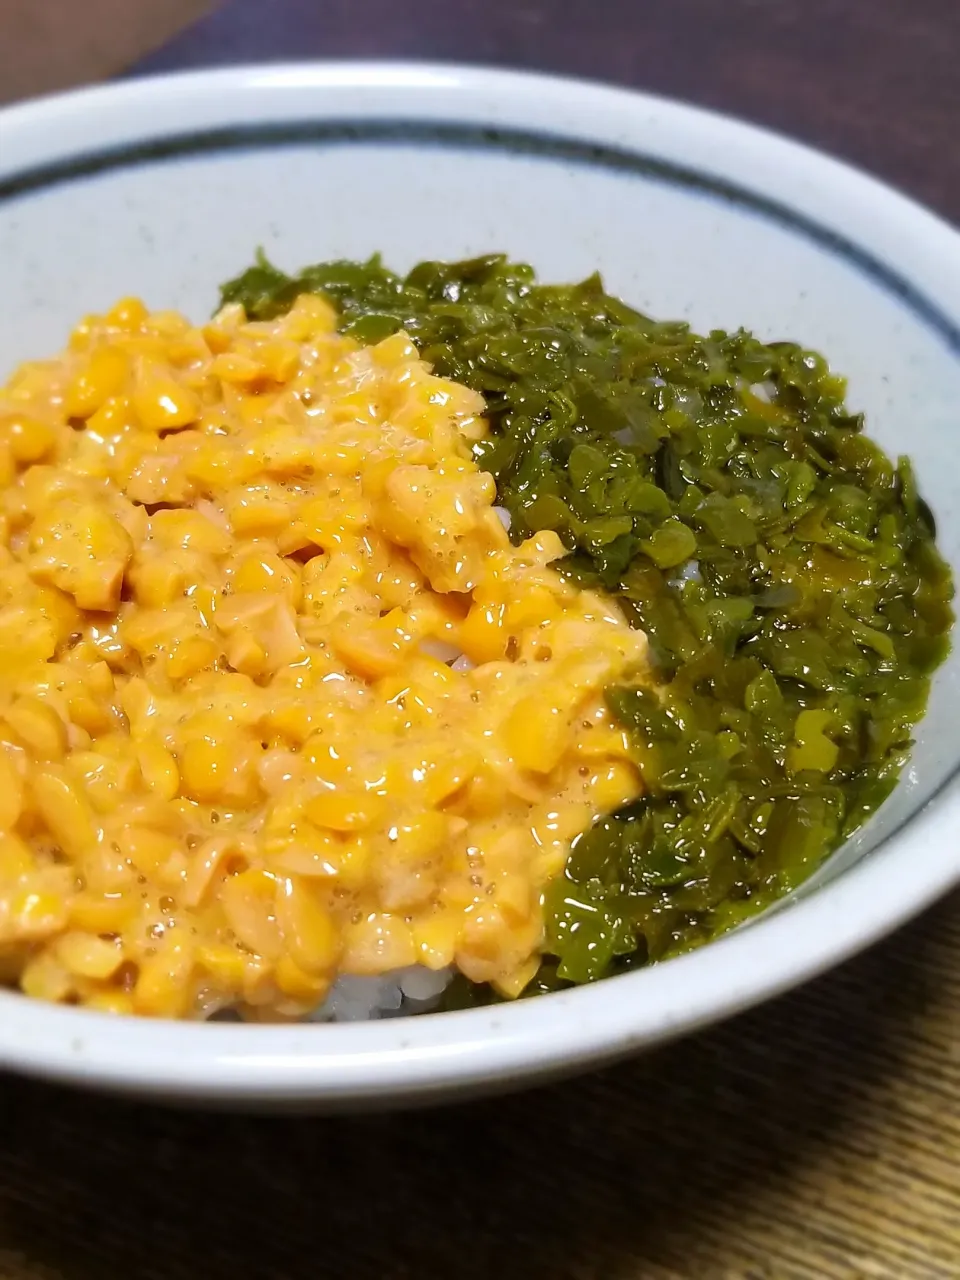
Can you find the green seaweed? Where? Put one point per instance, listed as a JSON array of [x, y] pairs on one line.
[[784, 569]]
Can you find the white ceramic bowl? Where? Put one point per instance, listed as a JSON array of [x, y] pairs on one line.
[[163, 188]]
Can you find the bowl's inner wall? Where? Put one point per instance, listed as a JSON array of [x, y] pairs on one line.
[[170, 231]]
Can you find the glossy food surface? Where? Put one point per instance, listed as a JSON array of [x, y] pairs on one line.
[[279, 699], [783, 567]]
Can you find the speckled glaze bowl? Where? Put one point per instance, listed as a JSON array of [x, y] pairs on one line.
[[164, 187]]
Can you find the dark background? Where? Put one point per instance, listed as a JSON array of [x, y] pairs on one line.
[[817, 1138]]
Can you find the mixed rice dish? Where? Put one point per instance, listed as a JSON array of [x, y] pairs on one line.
[[389, 644]]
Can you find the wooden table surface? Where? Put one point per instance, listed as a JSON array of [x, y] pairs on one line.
[[817, 1138]]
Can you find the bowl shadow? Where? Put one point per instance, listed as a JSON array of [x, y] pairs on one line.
[[735, 1153]]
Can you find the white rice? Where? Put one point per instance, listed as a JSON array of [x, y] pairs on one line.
[[690, 572], [439, 649], [503, 515], [389, 995]]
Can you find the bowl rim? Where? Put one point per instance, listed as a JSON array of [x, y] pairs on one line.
[[507, 1044]]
